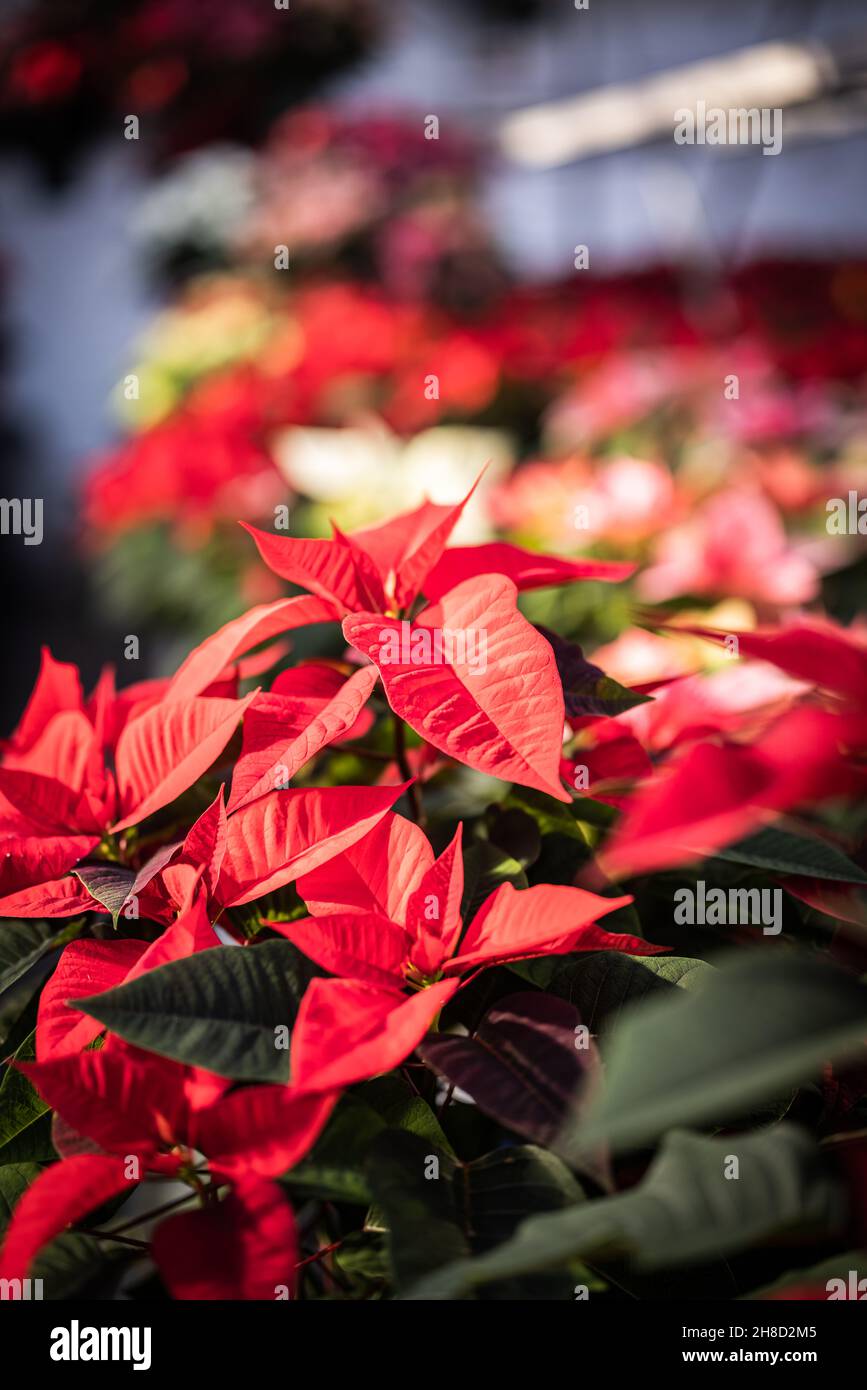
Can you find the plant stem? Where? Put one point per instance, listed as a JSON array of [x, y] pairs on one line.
[[107, 1235], [414, 793], [446, 1101], [152, 1214]]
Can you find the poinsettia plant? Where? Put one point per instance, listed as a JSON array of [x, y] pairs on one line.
[[376, 979]]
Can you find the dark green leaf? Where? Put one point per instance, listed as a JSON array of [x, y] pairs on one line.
[[400, 1108], [437, 1210], [601, 983], [586, 688], [218, 1009], [688, 1208], [15, 1178], [760, 1025], [334, 1169], [25, 1126], [779, 851], [486, 867], [22, 944]]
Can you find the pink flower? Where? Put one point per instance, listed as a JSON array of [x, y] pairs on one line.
[[734, 545]]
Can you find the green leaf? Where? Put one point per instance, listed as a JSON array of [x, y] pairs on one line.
[[756, 1027], [363, 1259], [73, 1264], [779, 851], [601, 983], [486, 867], [412, 1186], [218, 1009], [25, 1126], [688, 1208], [586, 688], [109, 883], [438, 1210], [334, 1169], [68, 1264], [15, 1178], [400, 1108], [22, 944], [558, 818]]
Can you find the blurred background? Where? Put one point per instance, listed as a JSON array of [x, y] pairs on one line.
[[293, 264]]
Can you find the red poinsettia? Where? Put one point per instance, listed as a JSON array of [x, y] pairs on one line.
[[77, 770], [400, 929], [146, 1117], [467, 672], [713, 793], [77, 773]]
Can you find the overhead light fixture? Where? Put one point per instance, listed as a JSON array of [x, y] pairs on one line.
[[626, 114]]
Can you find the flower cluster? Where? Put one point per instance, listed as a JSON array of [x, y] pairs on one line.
[[614, 424], [70, 70], [279, 923]]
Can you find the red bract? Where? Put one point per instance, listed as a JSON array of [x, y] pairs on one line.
[[397, 933], [716, 793], [681, 768], [810, 649], [501, 714], [496, 705], [76, 771], [262, 846], [90, 967], [138, 1109], [306, 709]]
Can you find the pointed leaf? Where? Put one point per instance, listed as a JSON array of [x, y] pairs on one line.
[[586, 688], [525, 568], [348, 1031], [376, 874], [276, 739], [406, 547], [207, 661], [356, 945], [110, 884], [278, 837], [219, 1009], [433, 914], [541, 920], [752, 1031], [500, 711], [327, 569], [523, 1066], [779, 851], [165, 750], [684, 1211]]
